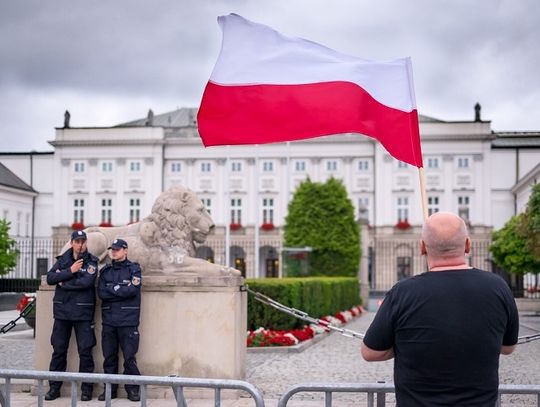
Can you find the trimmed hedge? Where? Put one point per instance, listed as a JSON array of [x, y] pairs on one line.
[[318, 296]]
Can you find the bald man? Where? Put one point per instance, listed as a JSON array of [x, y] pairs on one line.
[[445, 328]]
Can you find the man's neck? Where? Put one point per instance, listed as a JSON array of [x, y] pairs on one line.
[[455, 267], [454, 263]]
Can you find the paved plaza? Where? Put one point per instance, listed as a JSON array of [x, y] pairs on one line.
[[334, 359]]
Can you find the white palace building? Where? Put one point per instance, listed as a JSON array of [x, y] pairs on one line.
[[112, 175]]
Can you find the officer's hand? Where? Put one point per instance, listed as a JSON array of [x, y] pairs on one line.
[[76, 266]]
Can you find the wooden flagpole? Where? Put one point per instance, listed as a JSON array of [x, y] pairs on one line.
[[423, 194]]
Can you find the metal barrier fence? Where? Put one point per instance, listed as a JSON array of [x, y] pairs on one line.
[[376, 392], [176, 383]]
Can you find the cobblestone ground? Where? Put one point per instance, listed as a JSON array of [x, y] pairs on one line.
[[335, 359]]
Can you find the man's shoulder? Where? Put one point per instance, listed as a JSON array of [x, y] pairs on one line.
[[93, 258], [67, 255], [133, 264]]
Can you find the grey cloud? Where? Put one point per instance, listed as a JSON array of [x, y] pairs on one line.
[[163, 51]]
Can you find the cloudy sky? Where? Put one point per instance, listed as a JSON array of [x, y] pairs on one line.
[[108, 62]]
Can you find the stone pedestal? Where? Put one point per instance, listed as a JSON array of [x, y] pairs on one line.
[[190, 326]]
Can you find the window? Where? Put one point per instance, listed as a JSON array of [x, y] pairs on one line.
[[402, 208], [207, 202], [433, 205], [236, 166], [433, 162], [18, 224], [268, 210], [401, 164], [206, 167], [78, 167], [236, 211], [363, 165], [27, 225], [78, 210], [176, 167], [464, 207], [268, 166], [300, 166], [106, 166], [363, 205], [404, 269], [331, 165], [463, 162], [106, 211], [134, 210], [134, 166]]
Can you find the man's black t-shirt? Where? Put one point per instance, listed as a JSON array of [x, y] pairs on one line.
[[447, 329]]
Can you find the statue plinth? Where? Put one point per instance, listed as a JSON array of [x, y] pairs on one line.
[[191, 326]]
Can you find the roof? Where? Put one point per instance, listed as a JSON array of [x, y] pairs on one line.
[[516, 139], [428, 119], [183, 117], [187, 117], [529, 177], [9, 179]]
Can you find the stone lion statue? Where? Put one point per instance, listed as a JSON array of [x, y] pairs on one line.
[[164, 241]]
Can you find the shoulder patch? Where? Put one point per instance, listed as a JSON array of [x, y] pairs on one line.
[[136, 280], [91, 269]]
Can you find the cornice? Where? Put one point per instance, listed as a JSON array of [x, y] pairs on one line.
[[113, 142]]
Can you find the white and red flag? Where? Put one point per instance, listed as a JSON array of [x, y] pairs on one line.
[[267, 88]]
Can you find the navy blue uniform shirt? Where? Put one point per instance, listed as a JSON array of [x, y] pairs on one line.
[[75, 293], [119, 288]]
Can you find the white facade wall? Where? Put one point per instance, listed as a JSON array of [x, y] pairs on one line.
[[35, 169], [16, 208], [463, 174]]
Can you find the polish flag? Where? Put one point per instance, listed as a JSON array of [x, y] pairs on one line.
[[268, 88]]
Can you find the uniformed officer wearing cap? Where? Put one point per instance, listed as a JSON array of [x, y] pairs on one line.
[[119, 288], [74, 275]]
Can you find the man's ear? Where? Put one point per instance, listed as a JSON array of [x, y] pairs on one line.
[[423, 250], [467, 246]]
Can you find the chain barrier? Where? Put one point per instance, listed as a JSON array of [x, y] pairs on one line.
[[301, 314], [345, 332], [11, 324]]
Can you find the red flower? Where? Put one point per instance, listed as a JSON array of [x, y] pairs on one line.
[[235, 226], [268, 337], [23, 302], [77, 226], [303, 334], [340, 316], [105, 224], [403, 224], [267, 226]]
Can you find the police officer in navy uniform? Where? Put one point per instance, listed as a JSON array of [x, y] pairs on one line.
[[119, 288], [74, 275]]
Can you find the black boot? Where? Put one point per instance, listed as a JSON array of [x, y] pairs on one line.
[[133, 395], [101, 397], [52, 394]]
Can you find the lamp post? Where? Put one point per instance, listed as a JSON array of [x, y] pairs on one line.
[[363, 275]]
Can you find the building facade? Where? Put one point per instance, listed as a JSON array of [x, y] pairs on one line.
[[111, 176]]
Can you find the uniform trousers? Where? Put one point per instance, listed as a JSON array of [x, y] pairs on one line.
[[127, 338], [86, 340]]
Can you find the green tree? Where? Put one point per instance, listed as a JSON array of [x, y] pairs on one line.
[[510, 248], [8, 249], [321, 216], [530, 226]]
